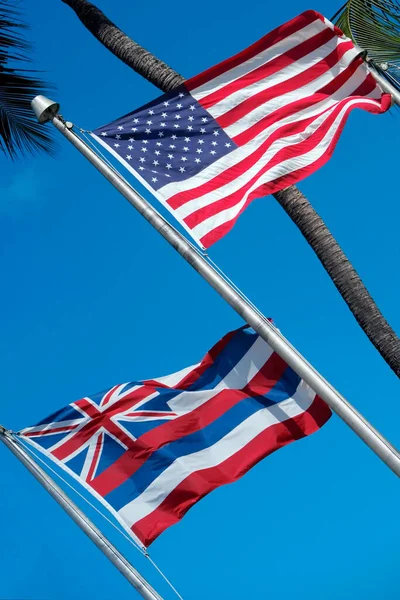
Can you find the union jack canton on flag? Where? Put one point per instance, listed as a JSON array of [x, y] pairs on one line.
[[149, 450]]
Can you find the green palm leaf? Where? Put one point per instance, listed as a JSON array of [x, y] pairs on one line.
[[19, 131], [374, 25]]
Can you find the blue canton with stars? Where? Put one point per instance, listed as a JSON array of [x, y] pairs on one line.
[[168, 140]]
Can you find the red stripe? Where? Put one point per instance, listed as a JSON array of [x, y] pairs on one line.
[[87, 407], [293, 108], [286, 153], [275, 36], [267, 377], [291, 178], [205, 364], [270, 68], [200, 483], [102, 419], [289, 85], [140, 451], [367, 87], [197, 419]]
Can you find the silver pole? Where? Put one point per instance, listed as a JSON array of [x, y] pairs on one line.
[[385, 84], [46, 110], [111, 552]]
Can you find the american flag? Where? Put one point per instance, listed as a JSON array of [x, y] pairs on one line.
[[149, 450], [247, 127]]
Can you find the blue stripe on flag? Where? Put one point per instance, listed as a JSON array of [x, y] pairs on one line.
[[160, 460]]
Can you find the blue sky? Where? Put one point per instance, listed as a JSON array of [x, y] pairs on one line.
[[92, 296]]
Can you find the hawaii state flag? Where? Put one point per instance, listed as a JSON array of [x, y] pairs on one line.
[[247, 127], [151, 449]]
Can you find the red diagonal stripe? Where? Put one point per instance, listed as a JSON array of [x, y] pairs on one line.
[[51, 431]]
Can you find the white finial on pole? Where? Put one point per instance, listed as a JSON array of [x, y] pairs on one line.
[[44, 108]]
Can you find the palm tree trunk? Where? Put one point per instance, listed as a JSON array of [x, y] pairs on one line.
[[132, 54], [295, 204], [342, 273]]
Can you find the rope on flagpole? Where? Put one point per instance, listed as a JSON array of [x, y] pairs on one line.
[[233, 284], [30, 450], [157, 568], [143, 551]]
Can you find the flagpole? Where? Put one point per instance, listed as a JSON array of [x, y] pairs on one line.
[[47, 110], [110, 551], [380, 79], [384, 83]]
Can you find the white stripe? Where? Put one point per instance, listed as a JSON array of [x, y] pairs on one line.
[[265, 56], [237, 378], [283, 168], [90, 454], [332, 26], [116, 396], [175, 378], [135, 419], [137, 405], [294, 95], [212, 456], [236, 184], [285, 74], [233, 185], [247, 367], [44, 430], [243, 151]]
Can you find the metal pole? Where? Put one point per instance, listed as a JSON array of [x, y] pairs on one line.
[[110, 551], [384, 83], [45, 110]]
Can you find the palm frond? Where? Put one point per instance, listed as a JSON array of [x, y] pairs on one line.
[[374, 25], [19, 131]]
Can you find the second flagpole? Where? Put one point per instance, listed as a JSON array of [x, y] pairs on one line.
[[47, 110], [110, 551]]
